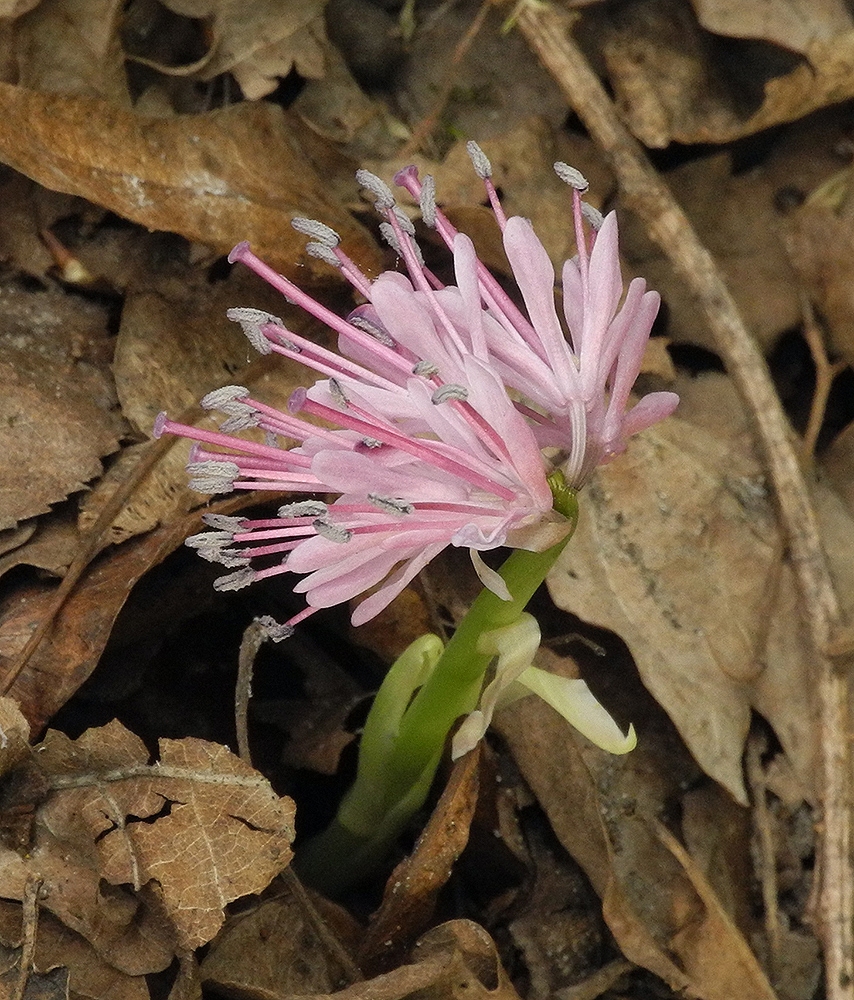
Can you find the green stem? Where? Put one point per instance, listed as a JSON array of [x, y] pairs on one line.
[[402, 746]]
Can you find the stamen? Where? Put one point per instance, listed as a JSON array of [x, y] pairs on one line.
[[240, 422], [303, 508], [377, 332], [479, 159], [403, 220], [322, 252], [378, 188], [569, 175], [332, 532], [223, 522], [593, 216], [212, 476], [425, 368], [427, 201], [398, 508], [450, 391], [317, 231], [221, 399], [337, 393], [275, 631], [251, 320], [235, 581]]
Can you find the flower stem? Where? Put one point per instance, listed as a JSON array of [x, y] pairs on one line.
[[404, 736]]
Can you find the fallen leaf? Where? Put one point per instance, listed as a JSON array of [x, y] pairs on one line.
[[455, 961], [604, 810], [70, 652], [234, 174], [258, 42], [677, 552], [56, 413], [821, 243], [73, 47], [274, 950], [58, 948], [776, 21], [52, 546], [413, 887], [671, 84], [142, 858]]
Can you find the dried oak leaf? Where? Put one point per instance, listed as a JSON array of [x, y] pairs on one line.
[[58, 948], [79, 632], [72, 47], [57, 415], [671, 84], [238, 173], [258, 42], [679, 553], [604, 811], [456, 961], [198, 828]]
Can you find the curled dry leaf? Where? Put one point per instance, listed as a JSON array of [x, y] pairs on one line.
[[672, 86], [455, 961], [79, 633], [413, 887], [56, 409], [140, 859], [258, 42], [73, 48], [274, 950], [604, 810], [678, 552], [234, 174]]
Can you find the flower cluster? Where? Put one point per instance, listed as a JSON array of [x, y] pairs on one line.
[[422, 443]]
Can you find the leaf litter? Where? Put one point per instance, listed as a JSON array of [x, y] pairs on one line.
[[596, 876]]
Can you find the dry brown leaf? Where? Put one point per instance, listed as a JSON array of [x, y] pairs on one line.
[[52, 547], [604, 811], [838, 462], [821, 243], [455, 961], [17, 8], [73, 47], [274, 948], [412, 888], [179, 839], [677, 552], [259, 41], [56, 410], [58, 947], [736, 218], [70, 652], [233, 174], [672, 86], [789, 25]]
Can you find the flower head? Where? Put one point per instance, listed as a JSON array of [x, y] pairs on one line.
[[426, 447]]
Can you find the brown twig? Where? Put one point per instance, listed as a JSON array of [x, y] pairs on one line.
[[825, 372], [547, 32], [253, 639], [30, 919], [767, 865], [428, 122], [95, 539]]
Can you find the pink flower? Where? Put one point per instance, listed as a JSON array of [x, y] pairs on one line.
[[462, 468], [578, 385], [427, 448]]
